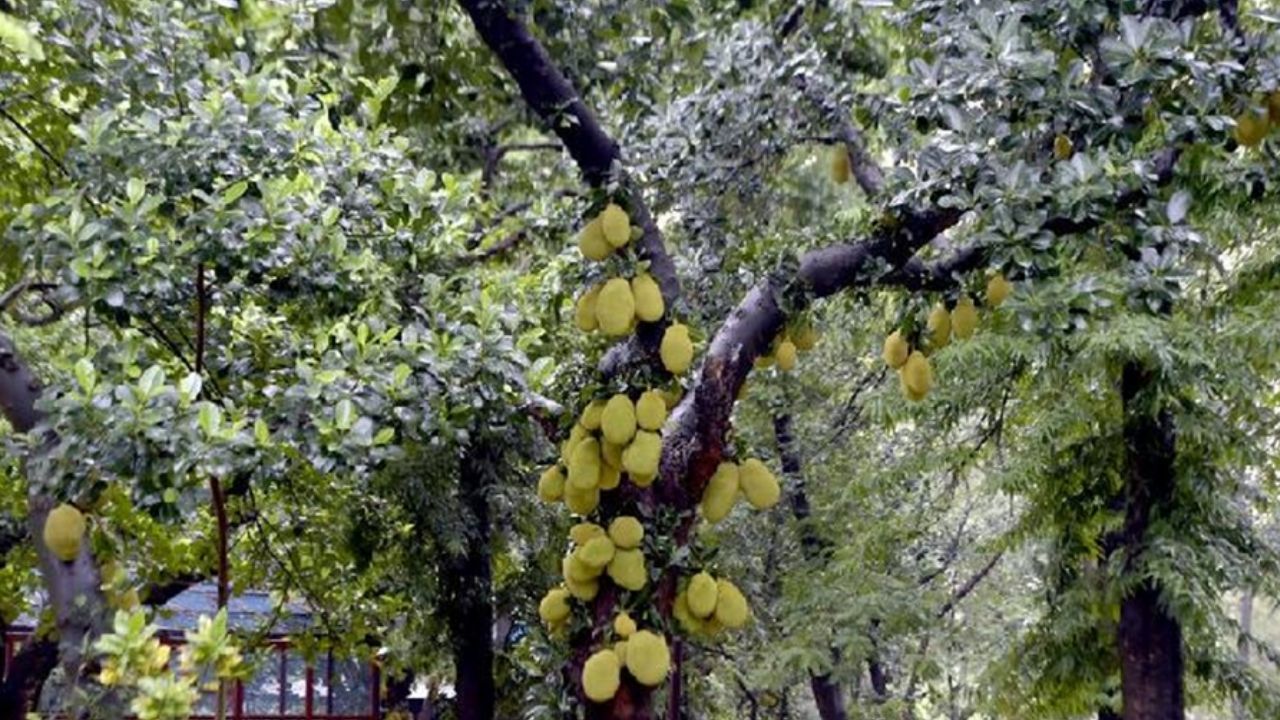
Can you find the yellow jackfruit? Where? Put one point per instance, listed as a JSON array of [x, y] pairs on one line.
[[1062, 147], [1252, 126], [597, 552], [623, 625], [627, 569], [581, 502], [701, 595], [648, 658], [554, 606], [584, 465], [585, 311], [592, 243], [576, 435], [916, 376], [786, 356], [759, 485], [610, 477], [671, 396], [551, 484], [649, 304], [615, 307], [763, 362], [691, 623], [626, 532], [841, 168], [642, 481], [676, 349], [63, 531], [939, 325], [731, 605], [591, 415], [583, 533], [651, 410], [573, 568], [618, 423], [964, 318], [720, 493], [584, 591], [620, 649], [643, 455], [616, 226], [895, 350], [612, 454], [601, 675], [997, 290], [804, 336]]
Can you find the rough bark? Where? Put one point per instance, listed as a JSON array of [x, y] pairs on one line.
[[1242, 646]]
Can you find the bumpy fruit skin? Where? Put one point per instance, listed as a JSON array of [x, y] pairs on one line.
[[680, 611], [720, 493], [584, 315], [592, 243], [642, 456], [759, 485], [583, 533], [616, 307], [804, 336], [610, 477], [964, 318], [627, 569], [618, 423], [939, 325], [651, 410], [63, 531], [648, 658], [623, 625], [601, 675], [676, 349], [573, 568], [551, 485], [701, 595], [1252, 126], [554, 606], [597, 552], [584, 465], [581, 502], [591, 415], [620, 649], [786, 356], [916, 376], [584, 591], [841, 168], [649, 303], [626, 532], [1062, 147], [895, 350], [612, 454], [731, 605], [997, 290], [616, 226]]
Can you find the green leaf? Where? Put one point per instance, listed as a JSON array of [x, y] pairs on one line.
[[17, 36], [344, 414], [151, 381], [261, 433], [86, 376], [189, 387], [210, 419], [233, 193]]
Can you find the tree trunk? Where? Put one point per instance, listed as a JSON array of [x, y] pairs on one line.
[[27, 673], [1242, 646], [1150, 639]]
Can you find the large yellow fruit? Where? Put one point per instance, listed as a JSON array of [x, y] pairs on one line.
[[620, 649], [601, 675], [591, 415], [1252, 126], [623, 625], [597, 552], [786, 356], [612, 454], [964, 318], [576, 435], [642, 456], [616, 226], [939, 325], [618, 423], [648, 658], [804, 336], [583, 533], [573, 568], [551, 484], [1062, 147], [626, 532], [759, 485], [584, 315], [651, 410], [642, 481], [701, 595], [581, 502], [584, 591], [610, 477], [997, 290], [616, 307], [895, 350], [584, 465], [592, 243], [676, 349], [554, 606], [841, 168], [63, 531], [648, 296], [731, 605], [627, 569], [916, 376], [720, 493], [680, 611]]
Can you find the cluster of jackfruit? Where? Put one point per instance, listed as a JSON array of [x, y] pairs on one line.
[[642, 653], [915, 374], [607, 233], [752, 480], [1258, 119], [63, 532], [783, 352], [596, 552], [615, 306], [707, 605]]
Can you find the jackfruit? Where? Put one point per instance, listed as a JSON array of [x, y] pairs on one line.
[[676, 349], [731, 605], [1252, 126], [554, 606], [601, 675], [626, 532], [680, 611], [964, 318], [597, 552], [642, 481], [576, 435], [939, 325], [651, 410], [841, 168], [584, 465], [643, 455], [583, 533], [916, 376], [895, 350], [671, 396], [648, 658], [591, 415], [763, 362], [615, 307], [584, 591], [620, 649], [63, 531], [610, 477], [618, 423], [759, 485], [585, 311], [573, 568], [612, 454], [997, 290], [592, 243], [627, 569], [701, 595], [649, 304], [720, 493], [623, 625], [551, 485], [616, 226], [786, 356], [804, 336], [1062, 147], [581, 502]]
